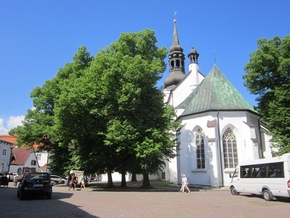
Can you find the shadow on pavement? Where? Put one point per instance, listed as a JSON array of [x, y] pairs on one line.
[[38, 206]]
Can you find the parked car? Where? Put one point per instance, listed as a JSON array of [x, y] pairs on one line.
[[4, 180], [34, 184], [11, 176], [55, 179]]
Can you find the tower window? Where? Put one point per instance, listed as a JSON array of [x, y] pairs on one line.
[[177, 63]]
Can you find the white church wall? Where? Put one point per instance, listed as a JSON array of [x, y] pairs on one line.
[[241, 131], [188, 163], [171, 173], [185, 87], [268, 148], [212, 174], [166, 95], [117, 177]]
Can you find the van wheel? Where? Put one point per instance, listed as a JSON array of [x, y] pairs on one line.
[[234, 191], [48, 196], [267, 195]]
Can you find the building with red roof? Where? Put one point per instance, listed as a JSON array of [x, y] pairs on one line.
[[5, 155], [25, 158]]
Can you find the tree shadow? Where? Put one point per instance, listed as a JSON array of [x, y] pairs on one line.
[[38, 206]]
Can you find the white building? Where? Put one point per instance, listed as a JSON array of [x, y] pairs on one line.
[[219, 128], [23, 159], [5, 155]]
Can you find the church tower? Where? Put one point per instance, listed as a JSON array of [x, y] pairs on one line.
[[176, 62], [193, 66]]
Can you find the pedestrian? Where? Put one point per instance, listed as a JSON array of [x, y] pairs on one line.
[[67, 179], [184, 183], [82, 183], [15, 180], [72, 182]]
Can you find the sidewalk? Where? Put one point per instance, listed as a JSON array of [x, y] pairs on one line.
[[156, 187]]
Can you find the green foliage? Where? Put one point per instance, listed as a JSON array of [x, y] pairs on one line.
[[105, 114], [39, 123], [268, 76]]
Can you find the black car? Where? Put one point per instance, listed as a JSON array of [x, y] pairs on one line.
[[34, 184]]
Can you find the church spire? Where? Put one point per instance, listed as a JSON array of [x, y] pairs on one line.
[[176, 62], [175, 35]]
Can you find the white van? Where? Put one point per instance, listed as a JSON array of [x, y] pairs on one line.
[[268, 177]]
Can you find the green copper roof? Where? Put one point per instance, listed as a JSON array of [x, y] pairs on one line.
[[215, 92]]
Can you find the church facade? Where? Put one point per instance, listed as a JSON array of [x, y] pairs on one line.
[[219, 128]]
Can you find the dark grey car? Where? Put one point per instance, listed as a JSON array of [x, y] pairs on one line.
[[34, 184]]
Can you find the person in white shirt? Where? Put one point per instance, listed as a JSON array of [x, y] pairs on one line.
[[184, 183]]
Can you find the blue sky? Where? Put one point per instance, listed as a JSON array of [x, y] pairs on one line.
[[39, 37]]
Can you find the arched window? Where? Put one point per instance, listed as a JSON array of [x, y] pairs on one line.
[[230, 149], [177, 63], [33, 162], [200, 157]]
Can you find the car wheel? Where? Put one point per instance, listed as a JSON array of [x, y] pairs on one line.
[[267, 195], [21, 195], [48, 196], [53, 183], [234, 191]]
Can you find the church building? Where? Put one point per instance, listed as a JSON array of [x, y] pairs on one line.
[[219, 128]]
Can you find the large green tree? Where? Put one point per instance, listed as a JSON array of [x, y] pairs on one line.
[[117, 105], [268, 76], [105, 114]]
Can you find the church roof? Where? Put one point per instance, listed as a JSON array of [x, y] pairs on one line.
[[215, 92]]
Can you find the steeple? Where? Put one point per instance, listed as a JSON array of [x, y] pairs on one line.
[[176, 62], [193, 56]]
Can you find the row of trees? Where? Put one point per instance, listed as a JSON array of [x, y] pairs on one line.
[[105, 113]]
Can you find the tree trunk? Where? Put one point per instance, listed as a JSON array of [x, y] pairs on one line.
[[110, 180], [134, 177], [146, 182], [123, 182]]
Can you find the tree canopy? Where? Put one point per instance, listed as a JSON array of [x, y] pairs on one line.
[[268, 76], [106, 112]]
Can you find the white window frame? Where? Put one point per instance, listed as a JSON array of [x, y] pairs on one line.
[[4, 151]]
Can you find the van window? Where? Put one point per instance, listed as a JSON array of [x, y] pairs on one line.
[[269, 170], [236, 173]]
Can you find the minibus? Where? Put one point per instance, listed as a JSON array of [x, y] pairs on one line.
[[267, 177]]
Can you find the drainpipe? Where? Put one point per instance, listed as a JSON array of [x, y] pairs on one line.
[[10, 159], [220, 148], [260, 134]]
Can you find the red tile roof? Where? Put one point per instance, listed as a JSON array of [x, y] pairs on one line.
[[21, 155], [12, 139], [8, 138]]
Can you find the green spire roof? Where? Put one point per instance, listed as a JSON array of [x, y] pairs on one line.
[[215, 92]]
